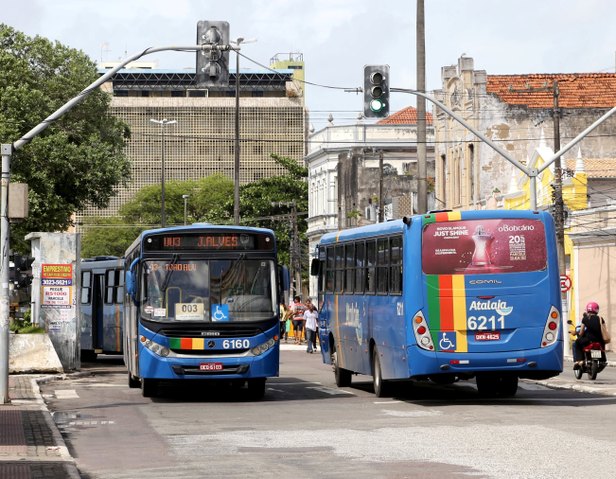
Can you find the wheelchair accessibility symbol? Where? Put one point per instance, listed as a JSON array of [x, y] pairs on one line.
[[448, 341], [220, 312]]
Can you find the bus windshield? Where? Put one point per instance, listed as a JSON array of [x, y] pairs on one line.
[[484, 246], [214, 290]]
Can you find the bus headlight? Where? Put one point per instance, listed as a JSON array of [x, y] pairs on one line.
[[263, 347], [156, 348]]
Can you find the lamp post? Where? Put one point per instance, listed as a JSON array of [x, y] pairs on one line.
[[163, 123], [185, 198], [236, 166]]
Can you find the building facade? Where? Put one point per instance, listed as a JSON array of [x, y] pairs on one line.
[[363, 173], [201, 141], [513, 111]]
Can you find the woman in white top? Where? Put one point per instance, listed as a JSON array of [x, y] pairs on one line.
[[310, 319]]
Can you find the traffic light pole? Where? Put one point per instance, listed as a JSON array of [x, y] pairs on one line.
[[7, 152]]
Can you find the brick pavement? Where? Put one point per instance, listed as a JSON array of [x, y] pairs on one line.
[[31, 447]]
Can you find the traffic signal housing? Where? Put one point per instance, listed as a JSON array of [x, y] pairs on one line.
[[213, 62], [20, 273], [376, 91]]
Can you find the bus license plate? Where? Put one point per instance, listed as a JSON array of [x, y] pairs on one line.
[[487, 336], [210, 367]]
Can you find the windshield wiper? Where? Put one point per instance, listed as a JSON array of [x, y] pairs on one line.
[[165, 284]]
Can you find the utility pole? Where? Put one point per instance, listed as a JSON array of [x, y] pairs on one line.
[[381, 199], [422, 168], [559, 206]]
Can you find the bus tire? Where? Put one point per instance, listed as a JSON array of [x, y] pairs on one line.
[[343, 376], [88, 356], [149, 387], [133, 382], [487, 385], [256, 388], [381, 387], [508, 386]]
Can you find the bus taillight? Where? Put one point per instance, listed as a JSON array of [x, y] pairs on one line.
[[422, 332], [550, 331]]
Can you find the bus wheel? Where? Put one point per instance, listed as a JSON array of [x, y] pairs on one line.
[[256, 388], [381, 388], [342, 376], [133, 382], [148, 387], [508, 386], [487, 385], [88, 355]]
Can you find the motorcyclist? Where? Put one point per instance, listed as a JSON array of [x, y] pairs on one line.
[[590, 332]]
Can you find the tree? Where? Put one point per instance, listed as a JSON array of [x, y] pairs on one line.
[[78, 160], [107, 237]]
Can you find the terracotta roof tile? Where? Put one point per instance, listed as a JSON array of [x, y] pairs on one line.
[[577, 90], [595, 167], [406, 116]]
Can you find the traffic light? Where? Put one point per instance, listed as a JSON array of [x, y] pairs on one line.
[[376, 91], [20, 274], [213, 63]]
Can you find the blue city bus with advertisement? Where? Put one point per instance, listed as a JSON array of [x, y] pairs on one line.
[[101, 306], [444, 296], [202, 303]]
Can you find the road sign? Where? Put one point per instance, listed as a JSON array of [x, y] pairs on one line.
[[565, 283]]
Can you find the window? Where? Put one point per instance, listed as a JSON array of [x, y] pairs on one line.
[[86, 287], [360, 271], [339, 268], [382, 282], [395, 270], [371, 266], [349, 269], [329, 269]]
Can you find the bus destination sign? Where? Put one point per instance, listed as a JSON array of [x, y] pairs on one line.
[[207, 241]]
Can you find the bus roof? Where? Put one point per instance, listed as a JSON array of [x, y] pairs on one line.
[[396, 226]]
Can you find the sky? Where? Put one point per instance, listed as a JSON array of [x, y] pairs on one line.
[[338, 37]]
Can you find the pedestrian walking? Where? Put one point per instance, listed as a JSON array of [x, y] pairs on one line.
[[297, 314], [310, 319]]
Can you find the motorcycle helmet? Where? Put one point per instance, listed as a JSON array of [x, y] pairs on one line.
[[592, 307]]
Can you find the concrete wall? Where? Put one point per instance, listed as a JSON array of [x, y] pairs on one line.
[[32, 353]]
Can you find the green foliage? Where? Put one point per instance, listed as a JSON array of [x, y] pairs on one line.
[[78, 159], [107, 237], [265, 203], [24, 325]]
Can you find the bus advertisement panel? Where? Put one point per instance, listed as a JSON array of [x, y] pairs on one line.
[[443, 296]]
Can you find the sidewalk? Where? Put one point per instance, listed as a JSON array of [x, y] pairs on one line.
[[31, 446]]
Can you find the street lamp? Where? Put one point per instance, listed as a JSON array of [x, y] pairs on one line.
[[185, 198], [163, 123], [236, 166]]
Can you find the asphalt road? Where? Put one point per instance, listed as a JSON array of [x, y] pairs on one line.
[[306, 427]]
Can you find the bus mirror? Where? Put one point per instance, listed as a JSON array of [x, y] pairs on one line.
[[314, 267], [285, 283], [131, 282]]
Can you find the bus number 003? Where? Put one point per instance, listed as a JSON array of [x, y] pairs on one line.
[[480, 323], [236, 344]]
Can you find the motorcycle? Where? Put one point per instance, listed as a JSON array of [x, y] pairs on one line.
[[593, 362]]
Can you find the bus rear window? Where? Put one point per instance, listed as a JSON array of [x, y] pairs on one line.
[[483, 246]]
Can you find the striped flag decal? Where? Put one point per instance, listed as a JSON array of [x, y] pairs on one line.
[[187, 343], [447, 308]]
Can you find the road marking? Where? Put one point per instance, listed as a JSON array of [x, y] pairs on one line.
[[66, 394], [330, 391]]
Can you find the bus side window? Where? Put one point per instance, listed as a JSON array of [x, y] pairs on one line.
[[370, 266], [329, 269], [110, 282], [360, 262], [382, 265], [349, 268], [395, 272], [86, 285]]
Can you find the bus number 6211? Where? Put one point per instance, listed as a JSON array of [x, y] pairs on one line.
[[480, 323]]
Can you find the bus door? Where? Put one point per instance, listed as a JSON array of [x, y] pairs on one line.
[[98, 312]]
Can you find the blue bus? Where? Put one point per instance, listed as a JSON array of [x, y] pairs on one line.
[[202, 303], [101, 306], [443, 296]]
